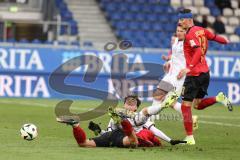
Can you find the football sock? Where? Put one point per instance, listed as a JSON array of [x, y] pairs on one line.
[[187, 119], [154, 109], [155, 102], [178, 107], [79, 134], [160, 134], [206, 102]]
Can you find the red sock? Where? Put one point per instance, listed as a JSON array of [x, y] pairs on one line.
[[206, 102], [187, 119], [79, 134], [127, 127]]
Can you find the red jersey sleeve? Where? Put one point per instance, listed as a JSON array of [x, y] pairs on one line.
[[213, 37]]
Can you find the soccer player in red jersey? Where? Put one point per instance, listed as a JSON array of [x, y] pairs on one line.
[[196, 71]]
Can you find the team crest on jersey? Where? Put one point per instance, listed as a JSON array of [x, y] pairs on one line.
[[192, 43]]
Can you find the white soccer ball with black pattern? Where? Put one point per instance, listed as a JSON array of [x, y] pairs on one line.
[[29, 131]]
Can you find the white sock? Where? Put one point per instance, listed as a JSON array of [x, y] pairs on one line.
[[154, 109], [156, 102], [160, 134], [178, 107], [190, 136]]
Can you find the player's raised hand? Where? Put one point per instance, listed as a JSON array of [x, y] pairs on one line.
[[165, 58], [182, 73]]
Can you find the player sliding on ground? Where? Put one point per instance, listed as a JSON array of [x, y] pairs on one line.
[[121, 133]]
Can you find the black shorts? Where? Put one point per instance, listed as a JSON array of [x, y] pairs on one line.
[[110, 139], [195, 87]]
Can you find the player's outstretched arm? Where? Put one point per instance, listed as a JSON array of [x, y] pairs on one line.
[[217, 38]]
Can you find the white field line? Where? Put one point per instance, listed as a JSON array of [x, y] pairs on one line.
[[26, 103], [219, 123], [218, 117]]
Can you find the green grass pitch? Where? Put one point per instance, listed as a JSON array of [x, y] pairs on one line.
[[217, 137]]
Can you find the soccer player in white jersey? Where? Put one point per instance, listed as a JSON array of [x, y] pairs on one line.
[[169, 81], [176, 62]]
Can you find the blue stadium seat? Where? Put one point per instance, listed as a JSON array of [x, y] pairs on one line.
[[66, 16], [141, 1], [170, 10], [130, 1], [111, 7], [114, 23], [62, 42], [48, 42], [237, 31], [125, 34], [74, 27], [134, 25], [135, 8], [152, 17], [139, 34], [209, 4], [147, 8], [63, 30], [36, 41], [174, 18], [63, 6], [75, 43], [169, 27], [215, 11], [140, 17], [165, 2], [128, 16], [123, 7], [23, 40], [157, 26], [122, 25], [234, 46], [87, 44], [115, 16], [158, 9], [163, 18], [146, 26]]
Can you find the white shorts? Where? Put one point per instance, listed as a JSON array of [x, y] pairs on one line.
[[172, 79]]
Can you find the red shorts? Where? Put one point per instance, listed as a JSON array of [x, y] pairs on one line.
[[147, 139]]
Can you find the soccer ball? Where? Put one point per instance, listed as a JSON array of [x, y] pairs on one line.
[[28, 131]]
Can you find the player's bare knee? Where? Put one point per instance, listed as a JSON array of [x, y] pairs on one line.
[[196, 102], [187, 103], [159, 94]]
